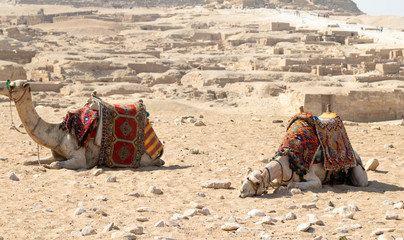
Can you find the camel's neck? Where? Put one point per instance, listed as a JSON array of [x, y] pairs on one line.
[[43, 133], [275, 170]]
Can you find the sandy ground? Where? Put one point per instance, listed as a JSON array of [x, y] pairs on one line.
[[42, 203]]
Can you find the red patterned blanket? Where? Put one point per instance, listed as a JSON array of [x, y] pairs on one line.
[[337, 149], [126, 135]]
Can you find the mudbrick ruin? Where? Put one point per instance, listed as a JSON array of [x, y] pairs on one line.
[[300, 52]]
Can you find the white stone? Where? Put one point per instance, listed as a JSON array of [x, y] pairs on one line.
[[264, 235], [243, 229], [313, 219], [290, 216], [190, 212], [256, 213], [399, 205], [79, 211], [144, 209], [178, 217], [129, 236], [356, 226], [138, 230], [155, 190], [388, 202], [230, 226], [216, 184], [371, 164], [108, 227], [295, 191], [201, 194], [13, 176], [102, 198], [266, 220], [353, 207], [205, 211], [342, 230], [375, 128], [304, 227], [255, 119], [98, 172], [391, 216], [196, 205], [73, 234], [292, 207], [194, 151], [111, 179], [87, 230], [159, 224], [177, 122], [133, 194], [81, 204], [344, 212], [384, 237], [308, 205]]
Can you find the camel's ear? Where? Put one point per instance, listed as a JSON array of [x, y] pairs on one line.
[[248, 172], [25, 85]]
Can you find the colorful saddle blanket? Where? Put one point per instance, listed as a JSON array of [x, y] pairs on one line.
[[300, 143], [311, 139], [126, 135], [337, 149], [81, 122]]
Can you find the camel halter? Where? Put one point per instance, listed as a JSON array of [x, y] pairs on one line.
[[269, 184], [12, 124]]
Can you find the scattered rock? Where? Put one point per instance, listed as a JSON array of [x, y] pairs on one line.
[[331, 204], [353, 207], [159, 224], [389, 145], [172, 224], [216, 184], [142, 219], [371, 164], [256, 213], [111, 179], [230, 226], [190, 212], [242, 229], [290, 216], [13, 176], [375, 128], [364, 131], [138, 230], [380, 231], [295, 191], [144, 209], [81, 204], [399, 205], [304, 227], [391, 216], [263, 159], [344, 212], [201, 194], [194, 151], [205, 211], [342, 230], [277, 121], [199, 123], [136, 194], [292, 207], [79, 211], [73, 234], [98, 172], [266, 220], [308, 205], [196, 205], [88, 230], [108, 227], [154, 190], [178, 217], [356, 226], [255, 119], [313, 219], [102, 198], [388, 202]]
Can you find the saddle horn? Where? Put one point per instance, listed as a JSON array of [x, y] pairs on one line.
[[328, 107], [301, 109]]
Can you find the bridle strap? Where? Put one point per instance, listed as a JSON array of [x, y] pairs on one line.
[[254, 186], [269, 176]]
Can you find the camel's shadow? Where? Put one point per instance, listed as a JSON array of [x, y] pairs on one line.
[[146, 169], [373, 187]]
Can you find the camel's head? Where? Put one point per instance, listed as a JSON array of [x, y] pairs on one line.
[[17, 89], [253, 184]]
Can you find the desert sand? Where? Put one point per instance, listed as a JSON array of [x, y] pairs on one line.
[[239, 134]]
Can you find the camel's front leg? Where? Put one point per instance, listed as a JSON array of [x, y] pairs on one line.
[[53, 158], [77, 161]]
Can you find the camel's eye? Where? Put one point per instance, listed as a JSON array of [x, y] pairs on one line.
[[257, 183]]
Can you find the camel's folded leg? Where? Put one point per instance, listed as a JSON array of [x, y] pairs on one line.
[[72, 163], [312, 182], [53, 158]]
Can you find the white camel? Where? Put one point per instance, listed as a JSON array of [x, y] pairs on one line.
[[66, 153], [278, 171]]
